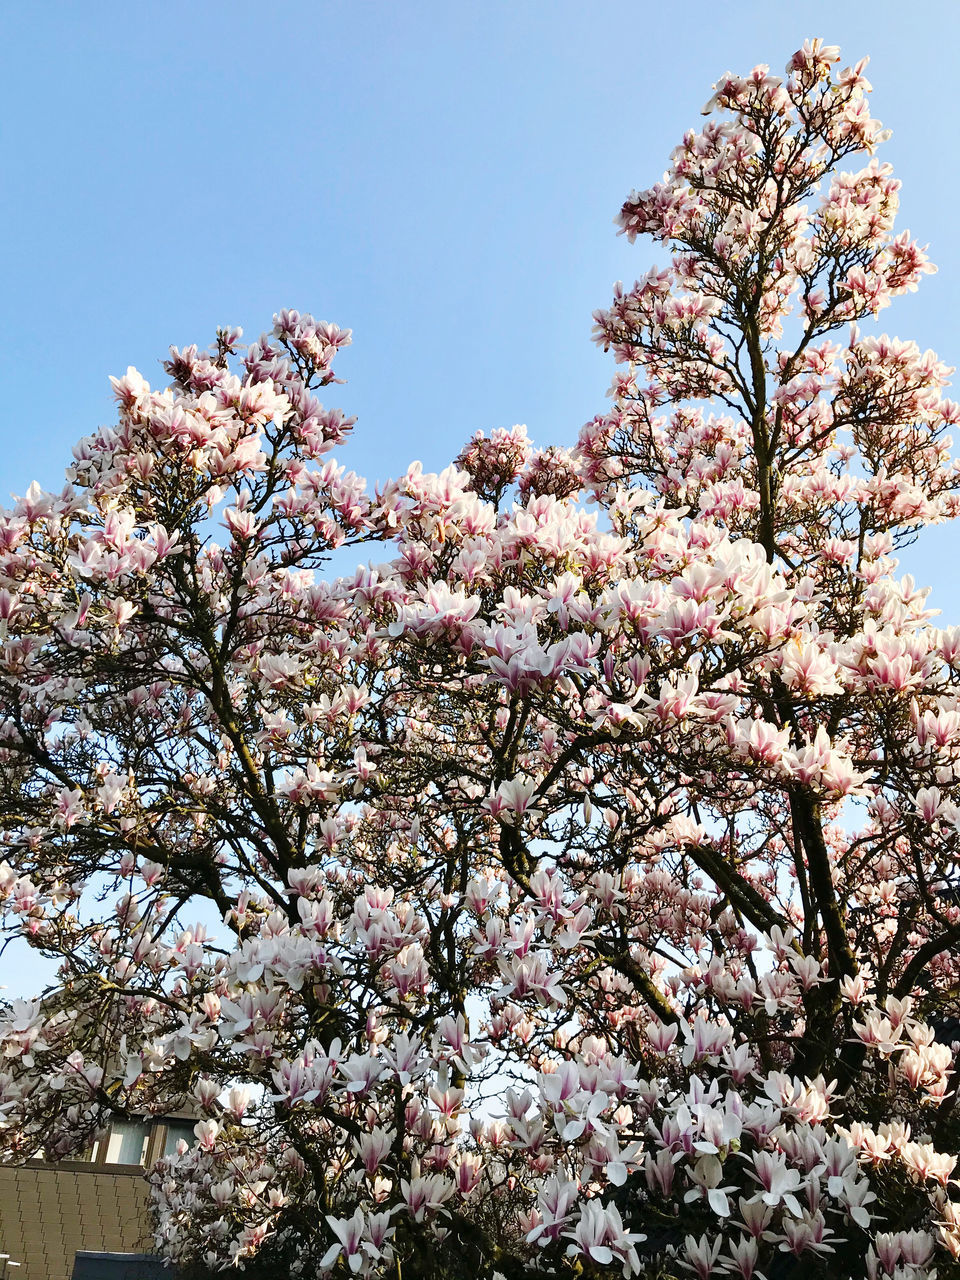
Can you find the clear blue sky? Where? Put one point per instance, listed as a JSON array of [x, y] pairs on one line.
[[440, 177]]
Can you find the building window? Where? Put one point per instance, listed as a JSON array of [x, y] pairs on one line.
[[177, 1129], [126, 1142]]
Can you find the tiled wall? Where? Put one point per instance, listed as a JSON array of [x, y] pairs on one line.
[[47, 1214]]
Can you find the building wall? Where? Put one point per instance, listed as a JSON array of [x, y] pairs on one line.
[[49, 1212]]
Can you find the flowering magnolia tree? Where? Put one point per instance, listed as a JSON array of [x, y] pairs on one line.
[[587, 862]]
